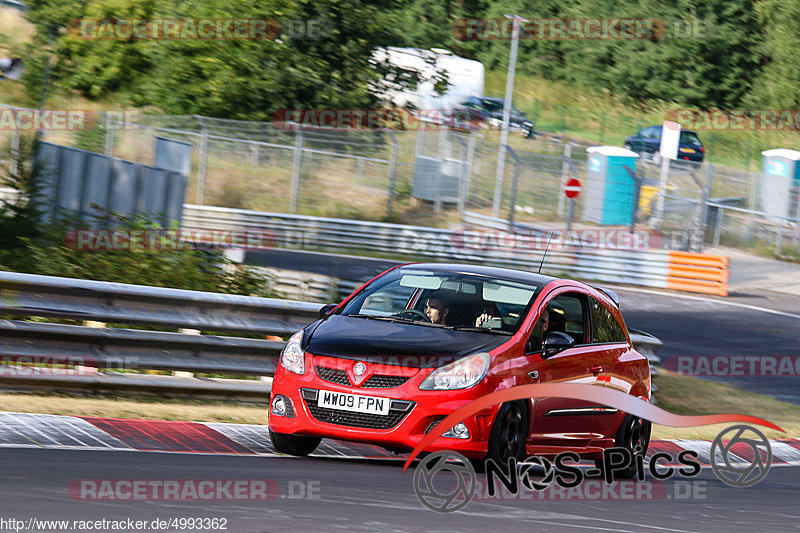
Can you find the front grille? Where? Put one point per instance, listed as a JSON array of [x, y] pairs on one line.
[[381, 381], [377, 381], [333, 375], [398, 411]]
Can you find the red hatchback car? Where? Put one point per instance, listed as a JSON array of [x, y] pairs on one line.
[[421, 340]]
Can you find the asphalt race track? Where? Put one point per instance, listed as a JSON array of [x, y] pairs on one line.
[[352, 495]]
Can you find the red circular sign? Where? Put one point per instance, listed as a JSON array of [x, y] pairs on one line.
[[572, 188]]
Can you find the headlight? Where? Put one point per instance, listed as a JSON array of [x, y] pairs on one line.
[[292, 357], [459, 374]]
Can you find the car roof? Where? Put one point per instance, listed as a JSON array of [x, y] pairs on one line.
[[510, 274]]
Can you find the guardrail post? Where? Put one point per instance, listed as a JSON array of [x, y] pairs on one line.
[[752, 206], [463, 170], [181, 373], [564, 177], [797, 220], [359, 168], [718, 226], [13, 165], [706, 194], [109, 146], [514, 184], [254, 156], [83, 369], [392, 174], [202, 165], [298, 161], [662, 192]]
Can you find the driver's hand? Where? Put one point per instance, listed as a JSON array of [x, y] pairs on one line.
[[481, 319]]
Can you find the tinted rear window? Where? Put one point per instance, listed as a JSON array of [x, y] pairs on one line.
[[688, 137]]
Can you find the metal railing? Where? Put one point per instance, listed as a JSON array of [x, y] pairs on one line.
[[743, 225], [644, 267], [46, 296], [25, 346]]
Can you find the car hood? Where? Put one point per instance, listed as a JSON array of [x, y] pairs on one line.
[[396, 343]]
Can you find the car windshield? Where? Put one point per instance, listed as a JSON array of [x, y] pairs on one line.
[[453, 300]]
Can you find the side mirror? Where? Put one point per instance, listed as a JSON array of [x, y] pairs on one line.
[[556, 342], [326, 309]]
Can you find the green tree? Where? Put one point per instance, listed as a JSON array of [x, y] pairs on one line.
[[232, 78], [778, 84]]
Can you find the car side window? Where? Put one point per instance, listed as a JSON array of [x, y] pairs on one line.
[[605, 327], [565, 313]]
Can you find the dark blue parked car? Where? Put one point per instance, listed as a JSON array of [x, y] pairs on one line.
[[649, 140], [491, 112]]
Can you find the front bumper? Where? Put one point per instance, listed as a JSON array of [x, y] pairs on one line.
[[412, 412]]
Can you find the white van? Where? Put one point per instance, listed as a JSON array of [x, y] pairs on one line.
[[465, 78]]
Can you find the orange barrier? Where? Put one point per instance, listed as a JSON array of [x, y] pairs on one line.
[[694, 272]]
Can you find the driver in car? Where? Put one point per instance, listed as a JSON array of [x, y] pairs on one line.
[[437, 307]]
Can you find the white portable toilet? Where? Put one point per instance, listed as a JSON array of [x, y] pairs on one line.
[[610, 192], [780, 182]]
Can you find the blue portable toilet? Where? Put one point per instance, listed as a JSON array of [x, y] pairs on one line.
[[609, 192], [780, 181]]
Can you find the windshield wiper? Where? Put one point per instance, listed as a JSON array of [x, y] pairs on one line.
[[483, 330], [400, 320], [356, 315], [387, 318]]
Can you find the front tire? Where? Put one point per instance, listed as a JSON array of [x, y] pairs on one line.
[[293, 444], [508, 435]]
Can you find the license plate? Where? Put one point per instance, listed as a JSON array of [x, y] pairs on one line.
[[688, 150], [354, 402]]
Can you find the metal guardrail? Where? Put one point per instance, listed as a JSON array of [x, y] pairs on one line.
[[98, 347], [644, 267], [45, 296], [137, 349]]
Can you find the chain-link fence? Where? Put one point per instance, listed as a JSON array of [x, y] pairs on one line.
[[430, 176]]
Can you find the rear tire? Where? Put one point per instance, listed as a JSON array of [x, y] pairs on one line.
[[293, 444], [634, 432]]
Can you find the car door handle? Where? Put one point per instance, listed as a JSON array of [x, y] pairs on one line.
[[596, 369]]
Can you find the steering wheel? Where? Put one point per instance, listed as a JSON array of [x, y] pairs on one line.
[[415, 314]]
